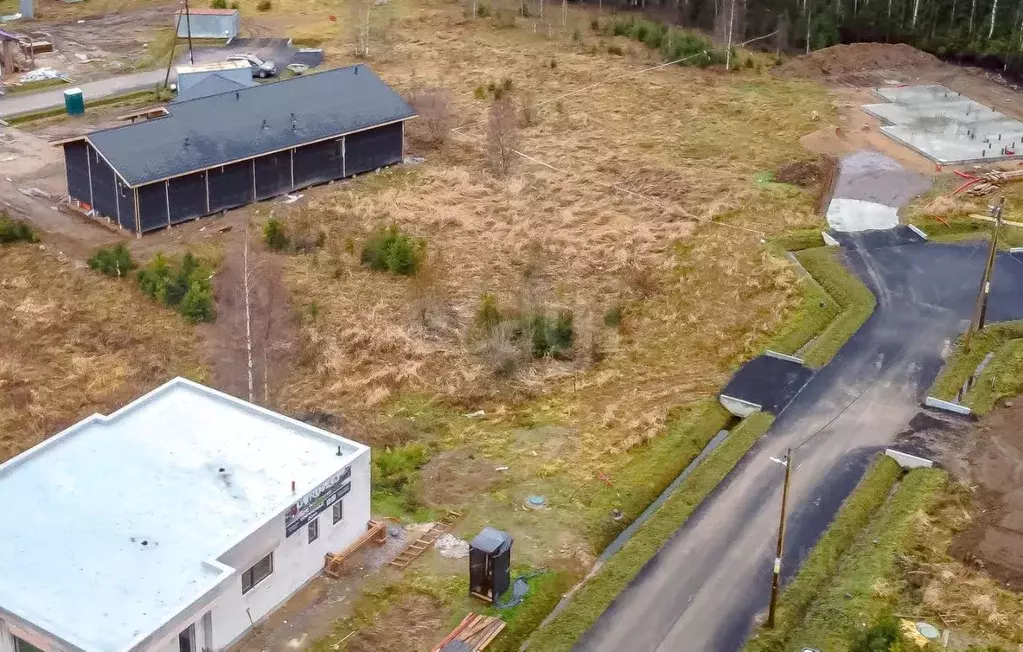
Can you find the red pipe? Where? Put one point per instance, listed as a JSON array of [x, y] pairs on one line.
[[964, 175]]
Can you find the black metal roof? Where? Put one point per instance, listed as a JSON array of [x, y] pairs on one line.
[[214, 84], [237, 125], [492, 541]]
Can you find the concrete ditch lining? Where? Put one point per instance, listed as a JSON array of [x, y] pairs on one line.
[[947, 406]]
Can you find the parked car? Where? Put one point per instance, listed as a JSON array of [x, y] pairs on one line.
[[259, 67]]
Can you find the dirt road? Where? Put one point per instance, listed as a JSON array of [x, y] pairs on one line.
[[705, 587], [13, 105]]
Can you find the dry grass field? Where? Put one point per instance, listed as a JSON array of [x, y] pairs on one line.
[[698, 291], [76, 343]]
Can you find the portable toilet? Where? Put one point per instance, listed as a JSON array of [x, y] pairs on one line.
[[74, 101], [490, 564]]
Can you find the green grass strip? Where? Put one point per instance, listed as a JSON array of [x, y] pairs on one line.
[[863, 588], [997, 380], [820, 567], [962, 227], [132, 97], [1002, 378], [649, 471], [594, 596], [835, 304]]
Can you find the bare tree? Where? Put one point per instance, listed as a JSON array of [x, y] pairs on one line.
[[994, 8], [436, 118], [502, 135]]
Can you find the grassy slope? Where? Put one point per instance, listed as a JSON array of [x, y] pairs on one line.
[[834, 305], [861, 587], [593, 597], [1002, 376], [76, 342], [820, 567]]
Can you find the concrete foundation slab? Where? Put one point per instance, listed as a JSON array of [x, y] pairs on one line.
[[946, 126]]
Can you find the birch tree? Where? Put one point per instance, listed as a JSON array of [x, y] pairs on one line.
[[994, 8]]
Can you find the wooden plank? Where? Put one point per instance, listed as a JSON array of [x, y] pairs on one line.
[[450, 637], [474, 628], [484, 633], [489, 639]]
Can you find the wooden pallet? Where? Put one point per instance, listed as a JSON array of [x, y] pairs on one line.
[[475, 631], [333, 563], [420, 545]]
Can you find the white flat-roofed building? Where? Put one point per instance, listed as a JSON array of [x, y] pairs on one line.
[[174, 523]]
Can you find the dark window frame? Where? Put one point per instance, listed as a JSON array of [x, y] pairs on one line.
[[337, 512], [251, 577], [313, 530]]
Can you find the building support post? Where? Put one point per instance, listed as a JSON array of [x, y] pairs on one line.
[[166, 193], [138, 214], [206, 178], [88, 166], [344, 164], [117, 202], [291, 155], [253, 179]]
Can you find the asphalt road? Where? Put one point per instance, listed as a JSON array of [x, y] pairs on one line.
[[705, 587]]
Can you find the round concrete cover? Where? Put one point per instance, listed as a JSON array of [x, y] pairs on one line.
[[927, 630]]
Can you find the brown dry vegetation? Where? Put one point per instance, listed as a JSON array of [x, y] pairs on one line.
[[699, 297], [75, 343]]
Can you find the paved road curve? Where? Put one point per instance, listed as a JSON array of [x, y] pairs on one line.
[[19, 103], [702, 591]]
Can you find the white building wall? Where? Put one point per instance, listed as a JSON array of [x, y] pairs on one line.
[[296, 561]]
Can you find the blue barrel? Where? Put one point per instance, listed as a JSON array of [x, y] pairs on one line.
[[74, 102]]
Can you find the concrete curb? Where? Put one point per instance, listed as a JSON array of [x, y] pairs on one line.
[[829, 239], [908, 461], [783, 356], [917, 230], [947, 406], [738, 407], [1016, 250]]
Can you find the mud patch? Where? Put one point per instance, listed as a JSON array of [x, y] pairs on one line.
[[457, 477], [411, 623], [805, 174], [874, 177], [993, 461]]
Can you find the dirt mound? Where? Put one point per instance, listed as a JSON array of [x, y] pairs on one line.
[[994, 464], [805, 174], [840, 61]]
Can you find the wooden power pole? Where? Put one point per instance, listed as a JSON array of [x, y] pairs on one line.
[[776, 575], [980, 309]]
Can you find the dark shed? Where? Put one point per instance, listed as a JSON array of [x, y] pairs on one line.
[[230, 148], [490, 564]]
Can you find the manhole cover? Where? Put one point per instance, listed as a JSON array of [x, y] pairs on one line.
[[536, 502], [928, 630]]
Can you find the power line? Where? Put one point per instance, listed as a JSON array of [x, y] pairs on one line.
[[836, 417]]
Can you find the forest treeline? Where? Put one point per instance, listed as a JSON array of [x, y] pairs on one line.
[[982, 32]]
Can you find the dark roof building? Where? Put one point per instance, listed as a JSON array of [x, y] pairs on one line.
[[229, 148]]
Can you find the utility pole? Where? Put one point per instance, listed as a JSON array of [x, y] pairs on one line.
[[188, 26], [170, 61], [776, 576], [980, 309]]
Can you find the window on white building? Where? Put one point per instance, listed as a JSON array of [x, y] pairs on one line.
[[21, 645], [314, 530], [186, 639], [338, 512], [259, 572]]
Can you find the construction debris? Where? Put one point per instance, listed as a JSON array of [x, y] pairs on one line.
[[979, 185], [420, 545], [473, 634], [333, 563]]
